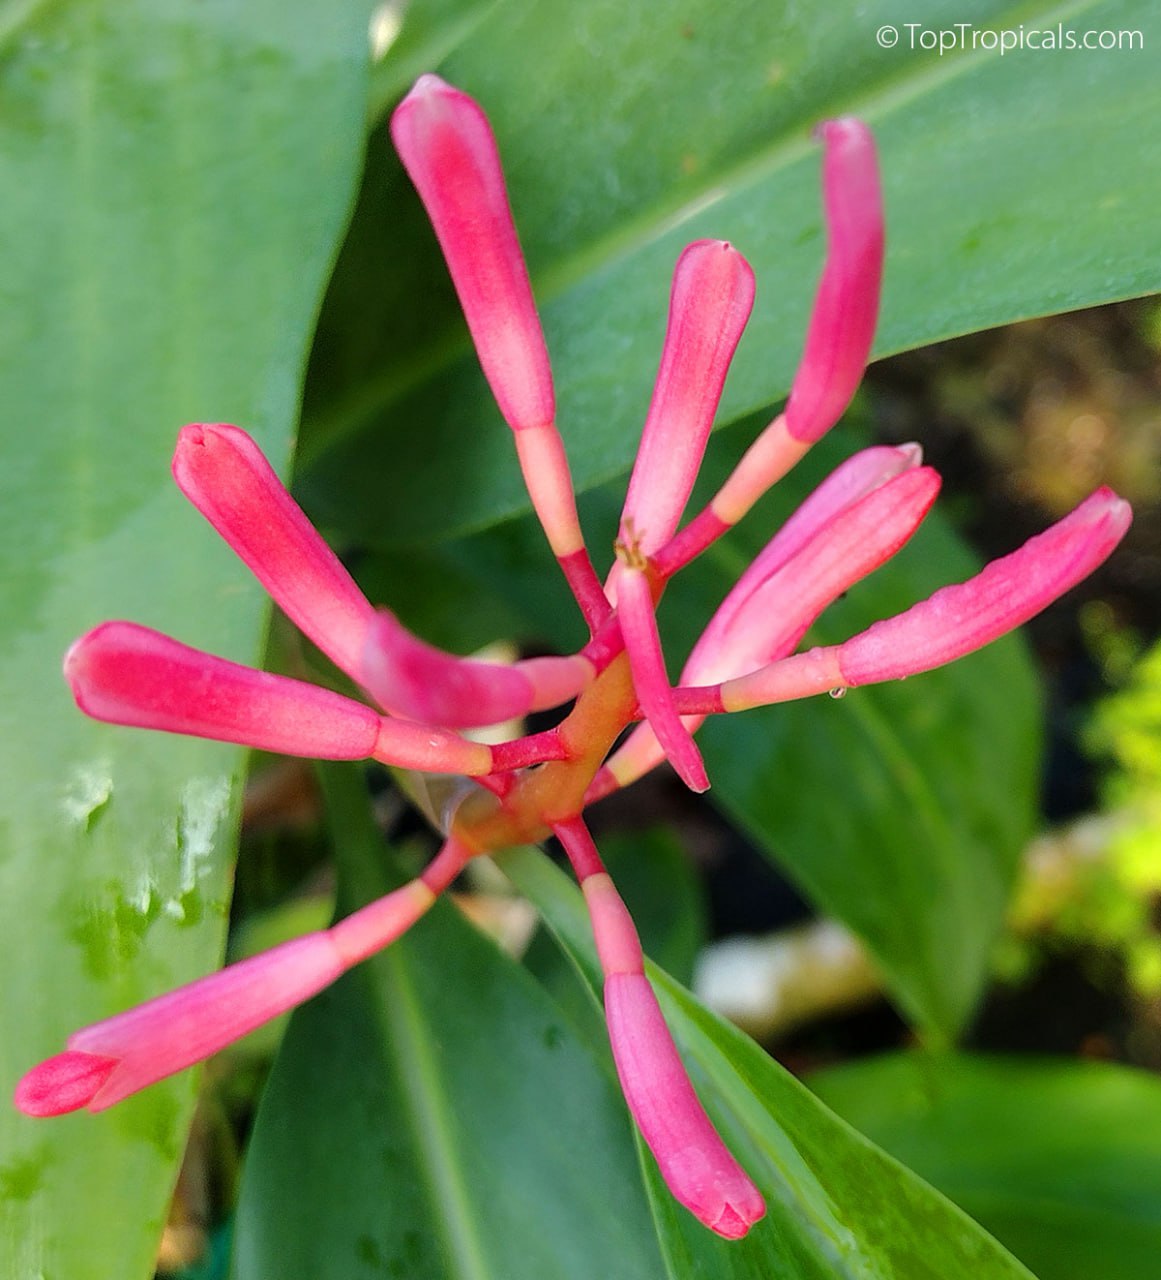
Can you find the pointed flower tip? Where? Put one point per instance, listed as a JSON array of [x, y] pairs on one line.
[[851, 177], [195, 449], [1104, 504], [736, 1220], [196, 434], [427, 85], [64, 1083], [695, 1163], [848, 131]]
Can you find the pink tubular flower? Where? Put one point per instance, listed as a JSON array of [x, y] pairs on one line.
[[837, 537], [858, 517], [959, 619], [448, 149], [125, 674], [713, 293], [955, 621], [109, 1061], [694, 1161], [838, 341]]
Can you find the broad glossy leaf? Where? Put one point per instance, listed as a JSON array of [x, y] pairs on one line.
[[175, 179], [1015, 185], [435, 1115], [1059, 1159], [837, 1206]]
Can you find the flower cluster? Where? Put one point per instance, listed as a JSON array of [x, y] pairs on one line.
[[856, 519]]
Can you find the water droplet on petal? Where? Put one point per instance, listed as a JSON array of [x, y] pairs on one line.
[[840, 692]]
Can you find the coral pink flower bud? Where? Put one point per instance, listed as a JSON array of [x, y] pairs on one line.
[[127, 674], [842, 324], [953, 622], [853, 522], [411, 678], [713, 292], [960, 618], [63, 1083], [448, 149], [851, 480], [224, 474], [447, 146], [694, 1161], [110, 1060]]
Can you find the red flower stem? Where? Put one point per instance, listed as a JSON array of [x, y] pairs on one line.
[[586, 588]]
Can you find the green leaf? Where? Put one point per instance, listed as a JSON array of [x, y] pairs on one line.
[[837, 1206], [1059, 1159], [435, 1115], [175, 181], [1015, 185]]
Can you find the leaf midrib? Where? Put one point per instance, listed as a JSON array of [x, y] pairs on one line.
[[428, 1114]]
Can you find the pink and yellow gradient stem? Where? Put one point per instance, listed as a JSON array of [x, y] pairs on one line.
[[694, 1161], [110, 1060], [547, 478]]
